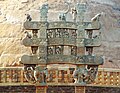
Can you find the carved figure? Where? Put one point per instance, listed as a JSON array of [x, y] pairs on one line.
[[90, 50], [80, 59], [65, 33], [28, 35], [34, 49], [81, 75], [90, 34], [28, 18], [74, 14], [49, 33], [50, 76], [92, 71], [73, 50], [74, 34], [41, 74], [62, 16], [50, 50], [58, 50]]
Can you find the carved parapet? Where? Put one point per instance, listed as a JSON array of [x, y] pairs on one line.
[[25, 59], [92, 42], [89, 60], [61, 59]]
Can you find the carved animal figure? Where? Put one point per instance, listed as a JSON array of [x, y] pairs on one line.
[[62, 16], [28, 35], [28, 18]]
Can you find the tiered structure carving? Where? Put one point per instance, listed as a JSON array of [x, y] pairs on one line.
[[62, 42]]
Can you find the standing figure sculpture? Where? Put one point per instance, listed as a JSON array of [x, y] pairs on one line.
[[74, 14]]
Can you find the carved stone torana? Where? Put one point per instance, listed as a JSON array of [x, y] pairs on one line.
[[62, 42]]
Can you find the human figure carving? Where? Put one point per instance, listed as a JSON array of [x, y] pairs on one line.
[[50, 34], [92, 71], [74, 14], [29, 73], [41, 74]]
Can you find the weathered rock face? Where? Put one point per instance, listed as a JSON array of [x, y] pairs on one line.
[[12, 16]]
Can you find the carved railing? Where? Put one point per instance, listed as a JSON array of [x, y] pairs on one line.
[[107, 77], [12, 76]]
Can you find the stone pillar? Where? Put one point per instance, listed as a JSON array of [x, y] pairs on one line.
[[80, 89], [41, 89]]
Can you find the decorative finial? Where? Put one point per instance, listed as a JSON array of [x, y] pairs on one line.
[[44, 12]]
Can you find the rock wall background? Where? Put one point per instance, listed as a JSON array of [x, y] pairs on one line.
[[12, 16]]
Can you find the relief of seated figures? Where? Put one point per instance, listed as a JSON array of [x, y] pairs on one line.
[[65, 33], [50, 34], [58, 33]]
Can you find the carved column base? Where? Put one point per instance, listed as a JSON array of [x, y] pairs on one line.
[[80, 89], [41, 89]]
